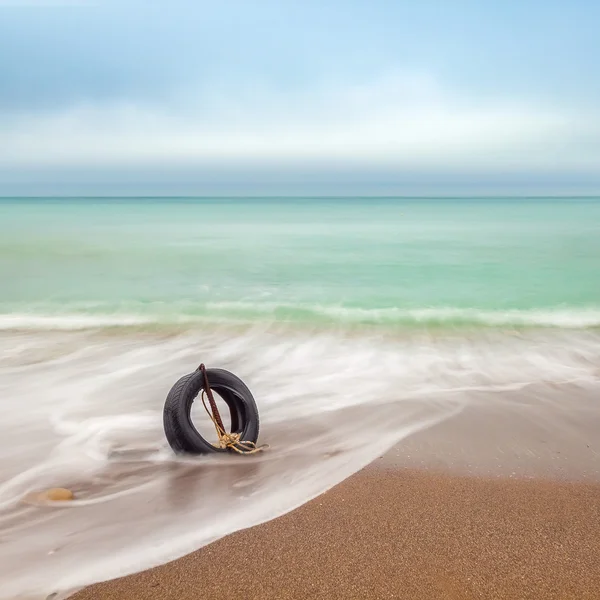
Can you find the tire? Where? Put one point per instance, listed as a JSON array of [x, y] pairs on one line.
[[181, 434]]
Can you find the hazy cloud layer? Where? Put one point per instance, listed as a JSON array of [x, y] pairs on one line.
[[299, 87], [396, 121]]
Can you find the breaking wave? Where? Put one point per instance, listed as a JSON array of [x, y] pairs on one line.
[[247, 313]]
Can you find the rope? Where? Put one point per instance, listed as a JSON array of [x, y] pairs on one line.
[[213, 405], [232, 440], [226, 440]]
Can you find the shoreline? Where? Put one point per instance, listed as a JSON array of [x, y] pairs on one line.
[[438, 516], [390, 533]]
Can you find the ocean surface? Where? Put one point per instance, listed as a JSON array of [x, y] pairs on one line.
[[328, 262], [354, 321]]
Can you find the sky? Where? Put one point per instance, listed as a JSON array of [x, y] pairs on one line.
[[308, 96]]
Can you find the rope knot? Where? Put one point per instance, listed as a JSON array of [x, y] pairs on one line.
[[226, 440]]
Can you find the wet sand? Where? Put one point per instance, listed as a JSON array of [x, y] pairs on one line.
[[484, 506]]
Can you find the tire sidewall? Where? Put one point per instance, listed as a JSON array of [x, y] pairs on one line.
[[181, 433]]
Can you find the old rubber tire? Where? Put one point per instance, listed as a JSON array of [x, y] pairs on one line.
[[181, 434]]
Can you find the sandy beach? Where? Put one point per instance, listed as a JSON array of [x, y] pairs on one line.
[[372, 229], [487, 505]]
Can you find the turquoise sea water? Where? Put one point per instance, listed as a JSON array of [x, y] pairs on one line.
[[390, 261]]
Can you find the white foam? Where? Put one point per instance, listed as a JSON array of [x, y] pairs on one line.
[[69, 322], [246, 312], [88, 414], [564, 318]]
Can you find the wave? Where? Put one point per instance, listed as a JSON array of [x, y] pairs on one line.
[[69, 321], [188, 314], [560, 317]]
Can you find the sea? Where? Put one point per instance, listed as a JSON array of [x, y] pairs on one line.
[[354, 321]]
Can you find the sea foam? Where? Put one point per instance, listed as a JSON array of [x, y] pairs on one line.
[[83, 409]]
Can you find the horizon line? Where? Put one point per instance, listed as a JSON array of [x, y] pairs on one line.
[[315, 196]]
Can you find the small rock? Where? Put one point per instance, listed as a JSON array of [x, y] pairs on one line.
[[57, 495]]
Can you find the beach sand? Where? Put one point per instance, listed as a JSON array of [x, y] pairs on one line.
[[493, 504], [400, 535]]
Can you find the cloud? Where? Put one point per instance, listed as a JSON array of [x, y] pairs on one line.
[[401, 120]]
